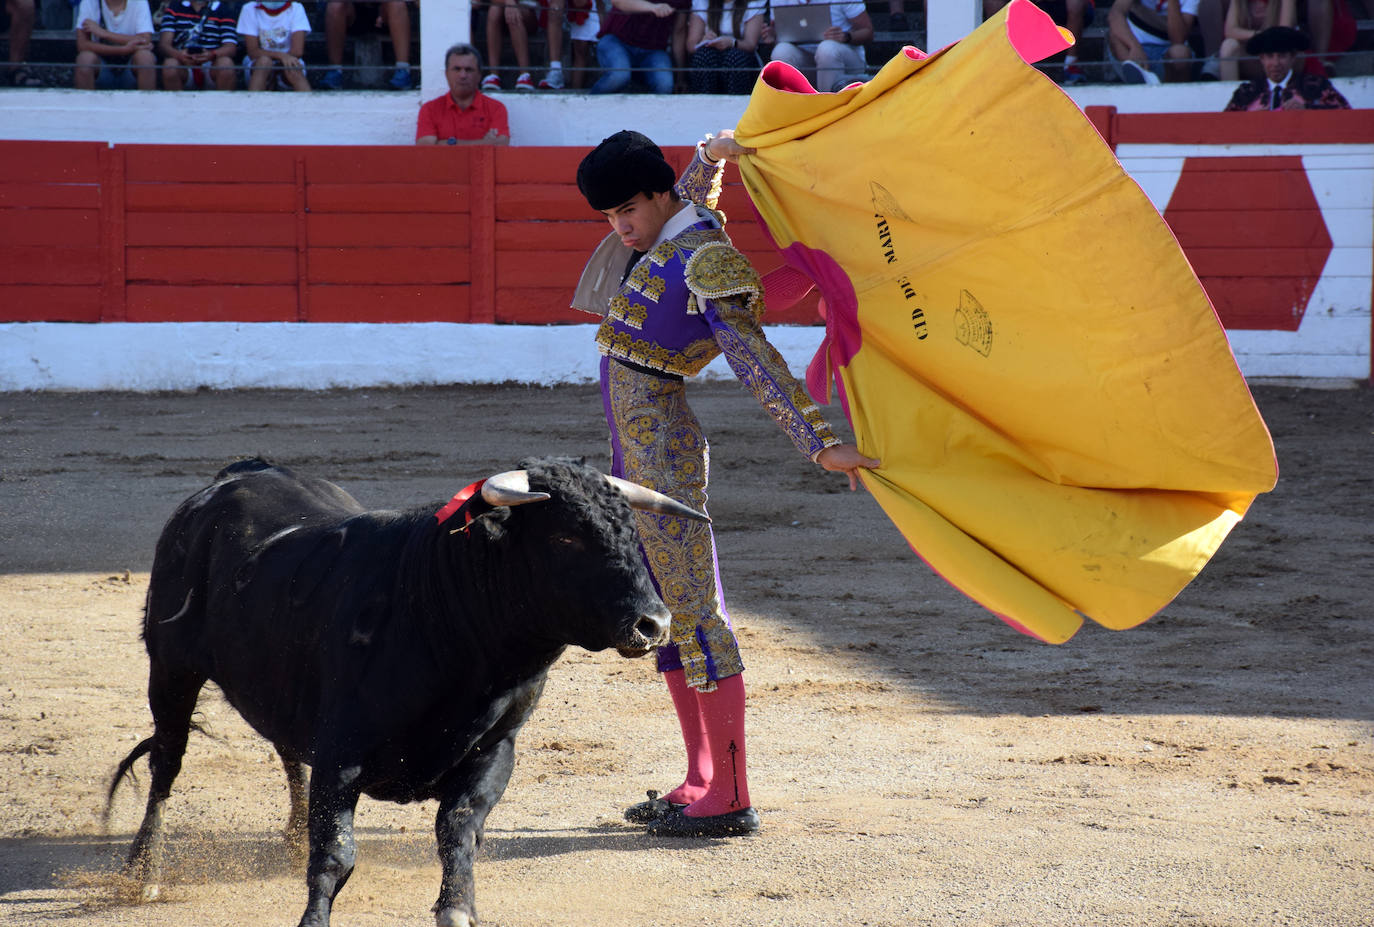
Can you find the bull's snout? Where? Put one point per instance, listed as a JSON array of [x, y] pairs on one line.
[[649, 631]]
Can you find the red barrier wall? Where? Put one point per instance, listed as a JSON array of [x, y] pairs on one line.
[[171, 233], [90, 232]]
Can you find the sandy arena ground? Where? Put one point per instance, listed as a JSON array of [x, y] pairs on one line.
[[915, 761]]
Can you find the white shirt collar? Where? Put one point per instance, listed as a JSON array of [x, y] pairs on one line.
[[1281, 84], [686, 217]]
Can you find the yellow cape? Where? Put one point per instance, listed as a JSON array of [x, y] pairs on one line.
[[1018, 337]]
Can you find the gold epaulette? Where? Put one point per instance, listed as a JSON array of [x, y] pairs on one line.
[[717, 270]]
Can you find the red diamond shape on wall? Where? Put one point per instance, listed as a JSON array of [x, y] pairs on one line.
[[1255, 235]]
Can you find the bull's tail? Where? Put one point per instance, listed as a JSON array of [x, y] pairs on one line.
[[126, 769]]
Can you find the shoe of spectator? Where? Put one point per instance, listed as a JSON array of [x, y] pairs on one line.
[[400, 79], [524, 82], [1211, 69], [1073, 76], [1133, 73], [552, 80], [23, 77], [491, 83], [332, 80]]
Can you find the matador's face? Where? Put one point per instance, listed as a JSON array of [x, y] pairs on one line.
[[639, 220], [1277, 64]]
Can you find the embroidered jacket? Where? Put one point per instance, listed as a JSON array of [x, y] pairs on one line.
[[1315, 93], [692, 297]]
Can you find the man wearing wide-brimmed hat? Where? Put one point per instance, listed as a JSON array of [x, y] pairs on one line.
[[1283, 87]]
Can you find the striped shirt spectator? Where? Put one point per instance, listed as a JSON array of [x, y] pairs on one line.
[[202, 26], [197, 43]]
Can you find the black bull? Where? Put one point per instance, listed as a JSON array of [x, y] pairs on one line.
[[395, 654]]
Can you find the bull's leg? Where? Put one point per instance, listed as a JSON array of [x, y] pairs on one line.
[[333, 798], [172, 697], [468, 797], [297, 824]]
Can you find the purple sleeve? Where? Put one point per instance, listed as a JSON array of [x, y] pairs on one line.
[[763, 371]]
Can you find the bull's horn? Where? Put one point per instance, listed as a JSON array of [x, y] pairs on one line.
[[649, 500], [511, 487]]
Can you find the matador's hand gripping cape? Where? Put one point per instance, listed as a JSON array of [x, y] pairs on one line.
[[1016, 334]]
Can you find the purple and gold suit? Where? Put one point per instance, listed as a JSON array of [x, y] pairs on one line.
[[691, 297]]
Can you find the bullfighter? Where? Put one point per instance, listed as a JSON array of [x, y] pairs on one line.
[[674, 293]]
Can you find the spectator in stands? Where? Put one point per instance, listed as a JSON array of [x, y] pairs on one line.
[[274, 34], [1244, 20], [584, 24], [724, 36], [342, 17], [1074, 15], [114, 45], [1281, 87], [1148, 39], [644, 38], [198, 43], [464, 115], [838, 59], [20, 14], [520, 18], [896, 16], [1333, 29]]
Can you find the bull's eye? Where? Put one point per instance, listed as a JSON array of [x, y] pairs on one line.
[[569, 542]]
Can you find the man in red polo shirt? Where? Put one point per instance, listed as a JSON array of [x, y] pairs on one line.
[[464, 115]]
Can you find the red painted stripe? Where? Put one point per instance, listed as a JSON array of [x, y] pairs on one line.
[[1299, 127], [1249, 302], [542, 201], [536, 237], [387, 164], [1258, 262], [210, 197], [538, 306], [409, 303], [211, 229], [201, 164], [49, 195], [24, 303], [1249, 228], [552, 269], [353, 229], [160, 303], [79, 227], [199, 266], [51, 162], [390, 265], [389, 197]]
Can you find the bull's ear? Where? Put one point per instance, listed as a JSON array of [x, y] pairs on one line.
[[511, 487], [648, 500]]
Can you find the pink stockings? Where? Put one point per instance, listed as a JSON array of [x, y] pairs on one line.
[[713, 733]]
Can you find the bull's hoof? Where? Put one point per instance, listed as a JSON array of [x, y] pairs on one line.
[[452, 917], [151, 892]]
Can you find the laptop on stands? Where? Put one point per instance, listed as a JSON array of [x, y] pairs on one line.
[[801, 25]]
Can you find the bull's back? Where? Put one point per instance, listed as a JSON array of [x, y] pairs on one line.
[[214, 535], [250, 582]]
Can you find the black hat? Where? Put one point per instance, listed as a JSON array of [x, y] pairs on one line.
[[622, 166], [1277, 40]]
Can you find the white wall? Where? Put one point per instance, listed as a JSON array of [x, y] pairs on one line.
[[388, 118], [225, 355]]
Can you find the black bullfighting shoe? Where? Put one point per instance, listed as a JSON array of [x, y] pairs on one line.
[[646, 812], [739, 823]]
